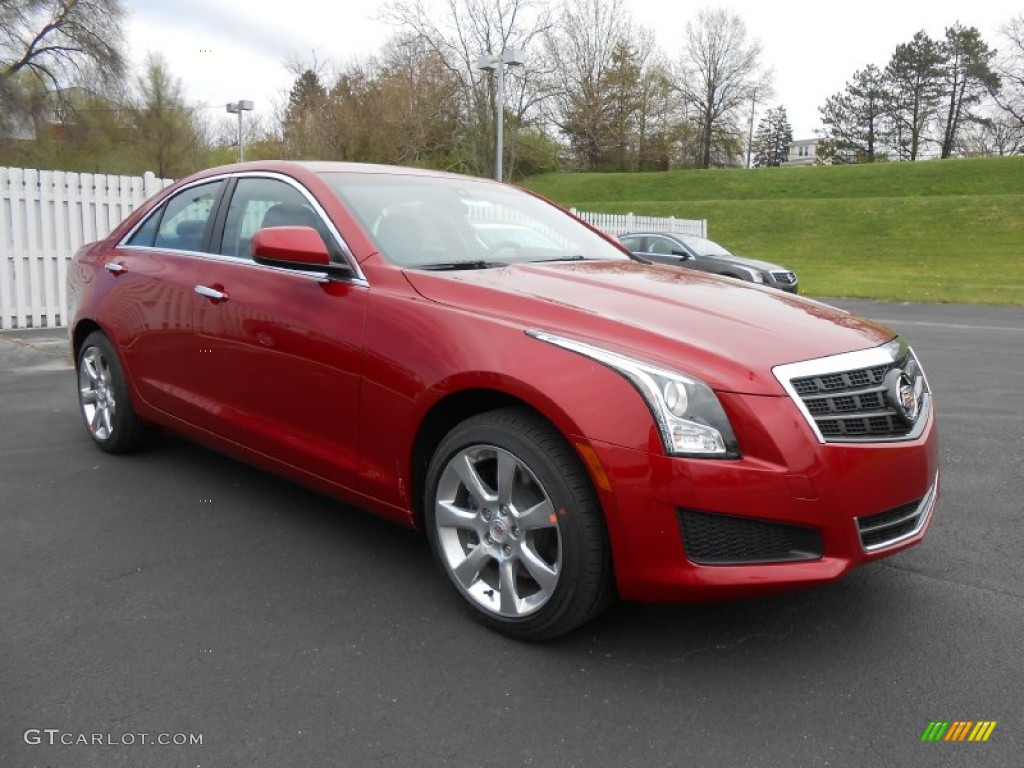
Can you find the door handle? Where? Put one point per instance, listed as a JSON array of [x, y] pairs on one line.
[[211, 293], [114, 268]]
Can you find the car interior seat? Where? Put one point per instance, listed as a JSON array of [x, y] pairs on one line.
[[190, 234]]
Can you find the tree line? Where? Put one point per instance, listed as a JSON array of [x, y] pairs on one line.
[[946, 97], [596, 94]]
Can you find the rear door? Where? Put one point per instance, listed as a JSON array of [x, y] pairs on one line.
[[281, 349], [149, 307]]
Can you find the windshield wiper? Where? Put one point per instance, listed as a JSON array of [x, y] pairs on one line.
[[574, 257], [451, 265]]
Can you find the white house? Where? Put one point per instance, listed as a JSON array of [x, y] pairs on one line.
[[802, 152]]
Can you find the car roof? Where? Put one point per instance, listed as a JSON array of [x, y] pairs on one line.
[[325, 166], [659, 234]]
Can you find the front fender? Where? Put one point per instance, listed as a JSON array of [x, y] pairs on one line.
[[426, 354]]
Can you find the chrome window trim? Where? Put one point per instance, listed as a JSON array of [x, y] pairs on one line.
[[123, 242], [886, 354], [346, 252], [924, 510]]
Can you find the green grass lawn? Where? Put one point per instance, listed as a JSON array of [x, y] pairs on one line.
[[950, 231]]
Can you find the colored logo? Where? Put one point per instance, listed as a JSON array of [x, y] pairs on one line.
[[958, 730]]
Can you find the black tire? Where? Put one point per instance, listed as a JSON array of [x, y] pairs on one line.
[[530, 576], [103, 398]]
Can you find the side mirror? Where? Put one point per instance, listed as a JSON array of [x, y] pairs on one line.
[[682, 254], [293, 248]]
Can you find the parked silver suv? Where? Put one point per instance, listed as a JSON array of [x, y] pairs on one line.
[[708, 256]]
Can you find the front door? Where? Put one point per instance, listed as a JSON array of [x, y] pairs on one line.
[[281, 350]]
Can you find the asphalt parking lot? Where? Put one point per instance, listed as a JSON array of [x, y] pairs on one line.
[[180, 593]]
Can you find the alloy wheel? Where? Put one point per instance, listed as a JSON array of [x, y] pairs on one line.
[[497, 531]]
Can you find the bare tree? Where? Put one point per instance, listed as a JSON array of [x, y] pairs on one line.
[[458, 32], [582, 44], [1009, 65], [610, 90], [55, 39], [721, 68], [997, 134]]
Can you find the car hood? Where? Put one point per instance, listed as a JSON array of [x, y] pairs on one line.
[[728, 333], [746, 261]]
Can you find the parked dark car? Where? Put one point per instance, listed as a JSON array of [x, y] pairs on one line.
[[462, 357], [706, 255]]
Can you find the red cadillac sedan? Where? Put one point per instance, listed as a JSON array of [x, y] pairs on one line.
[[565, 423]]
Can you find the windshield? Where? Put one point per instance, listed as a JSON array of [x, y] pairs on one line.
[[701, 246], [453, 222]]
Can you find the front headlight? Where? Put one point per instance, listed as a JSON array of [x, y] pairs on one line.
[[689, 416], [758, 276]]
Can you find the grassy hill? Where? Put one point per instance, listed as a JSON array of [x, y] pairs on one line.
[[949, 231]]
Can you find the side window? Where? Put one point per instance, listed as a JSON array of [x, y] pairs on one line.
[[146, 234], [663, 246], [634, 243], [186, 215], [260, 203]]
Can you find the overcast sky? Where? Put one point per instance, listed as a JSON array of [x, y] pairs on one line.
[[224, 50]]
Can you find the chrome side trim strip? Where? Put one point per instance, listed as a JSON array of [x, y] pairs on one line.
[[924, 509]]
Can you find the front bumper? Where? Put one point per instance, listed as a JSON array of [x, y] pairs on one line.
[[858, 500], [793, 287]]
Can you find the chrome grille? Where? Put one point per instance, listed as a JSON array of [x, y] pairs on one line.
[[784, 277], [852, 403], [852, 398]]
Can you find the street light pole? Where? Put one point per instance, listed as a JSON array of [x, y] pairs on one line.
[[238, 107], [750, 136], [510, 57]]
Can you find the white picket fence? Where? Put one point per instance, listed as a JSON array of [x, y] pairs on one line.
[[621, 223], [45, 216]]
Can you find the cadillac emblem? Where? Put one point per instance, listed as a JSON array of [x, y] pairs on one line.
[[904, 394]]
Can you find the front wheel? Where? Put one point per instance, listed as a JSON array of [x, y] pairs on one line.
[[514, 523], [104, 400]]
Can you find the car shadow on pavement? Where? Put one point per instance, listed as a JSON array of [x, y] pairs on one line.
[[393, 567]]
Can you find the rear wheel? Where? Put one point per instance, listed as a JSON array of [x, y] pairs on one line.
[[514, 523], [104, 400]]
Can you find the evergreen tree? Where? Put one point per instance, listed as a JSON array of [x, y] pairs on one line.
[[304, 117], [856, 120], [772, 140], [967, 77], [621, 84], [165, 130], [913, 79]]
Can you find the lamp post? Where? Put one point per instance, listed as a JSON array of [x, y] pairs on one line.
[[750, 135], [510, 57], [238, 107]]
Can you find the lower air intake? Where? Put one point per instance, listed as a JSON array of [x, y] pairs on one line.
[[711, 539]]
